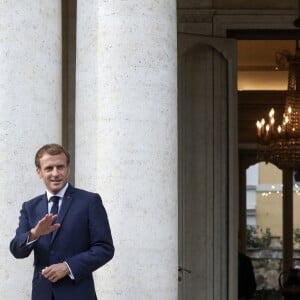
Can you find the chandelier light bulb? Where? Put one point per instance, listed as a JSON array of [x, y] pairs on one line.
[[279, 129], [258, 124], [286, 119]]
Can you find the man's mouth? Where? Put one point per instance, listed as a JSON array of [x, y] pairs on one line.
[[56, 181]]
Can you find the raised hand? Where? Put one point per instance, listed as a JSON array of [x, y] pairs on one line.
[[43, 227]]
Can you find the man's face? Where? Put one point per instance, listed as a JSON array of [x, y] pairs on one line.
[[54, 171]]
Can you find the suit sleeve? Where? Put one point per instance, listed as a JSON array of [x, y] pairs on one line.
[[101, 248], [18, 246]]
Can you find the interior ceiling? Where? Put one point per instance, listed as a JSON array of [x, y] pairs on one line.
[[262, 82], [262, 64]]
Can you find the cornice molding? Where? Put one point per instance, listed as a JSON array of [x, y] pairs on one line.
[[195, 16], [222, 20]]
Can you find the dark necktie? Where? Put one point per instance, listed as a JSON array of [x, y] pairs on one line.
[[54, 208]]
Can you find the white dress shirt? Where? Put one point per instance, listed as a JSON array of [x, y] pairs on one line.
[[60, 194]]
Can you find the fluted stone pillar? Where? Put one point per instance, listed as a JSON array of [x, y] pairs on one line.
[[126, 139], [30, 115]]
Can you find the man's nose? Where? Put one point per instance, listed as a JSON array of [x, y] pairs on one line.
[[55, 171]]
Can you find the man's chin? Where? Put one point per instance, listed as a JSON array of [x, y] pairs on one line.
[[55, 188]]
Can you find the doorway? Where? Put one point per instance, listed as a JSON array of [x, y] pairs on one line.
[[225, 27], [207, 165], [262, 84]]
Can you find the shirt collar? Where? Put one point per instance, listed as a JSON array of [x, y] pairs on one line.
[[60, 194]]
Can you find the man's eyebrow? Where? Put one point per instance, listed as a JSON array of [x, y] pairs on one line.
[[47, 167]]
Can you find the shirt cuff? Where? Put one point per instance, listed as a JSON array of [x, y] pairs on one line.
[[70, 271], [29, 243]]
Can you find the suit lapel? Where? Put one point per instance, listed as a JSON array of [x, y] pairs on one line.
[[66, 203], [42, 207]]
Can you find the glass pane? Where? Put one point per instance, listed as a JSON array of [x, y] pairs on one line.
[[296, 222], [264, 225]]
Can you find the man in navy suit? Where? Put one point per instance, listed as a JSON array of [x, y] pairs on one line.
[[68, 244]]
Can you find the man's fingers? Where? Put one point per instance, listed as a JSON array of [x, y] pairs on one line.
[[45, 225], [49, 218], [55, 226], [54, 272]]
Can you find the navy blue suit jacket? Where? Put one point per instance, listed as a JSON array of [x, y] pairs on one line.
[[83, 240]]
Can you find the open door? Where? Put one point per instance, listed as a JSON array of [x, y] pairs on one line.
[[208, 171]]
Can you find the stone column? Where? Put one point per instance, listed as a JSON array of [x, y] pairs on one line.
[[30, 115], [126, 139]]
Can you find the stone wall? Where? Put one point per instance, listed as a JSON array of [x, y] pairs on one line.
[[267, 264]]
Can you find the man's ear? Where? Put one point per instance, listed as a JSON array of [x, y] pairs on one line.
[[38, 171]]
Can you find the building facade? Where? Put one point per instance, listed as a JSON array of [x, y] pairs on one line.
[[144, 95]]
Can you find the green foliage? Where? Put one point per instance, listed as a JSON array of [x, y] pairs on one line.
[[297, 235], [251, 237], [257, 237]]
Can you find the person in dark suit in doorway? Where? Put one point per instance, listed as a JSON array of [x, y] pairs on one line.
[[66, 228], [246, 278]]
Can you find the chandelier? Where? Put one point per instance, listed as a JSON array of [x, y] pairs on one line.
[[279, 144]]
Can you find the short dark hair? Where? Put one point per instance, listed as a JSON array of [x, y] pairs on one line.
[[51, 149]]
